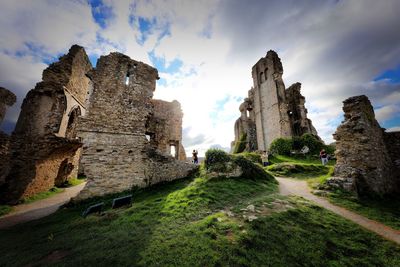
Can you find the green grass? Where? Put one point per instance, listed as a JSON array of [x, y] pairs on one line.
[[74, 181], [5, 209], [299, 159], [300, 167], [386, 211], [42, 195], [298, 170], [182, 223]]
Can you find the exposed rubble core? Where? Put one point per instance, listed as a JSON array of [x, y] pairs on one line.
[[7, 98], [271, 111], [165, 128], [126, 135], [43, 147], [367, 157]]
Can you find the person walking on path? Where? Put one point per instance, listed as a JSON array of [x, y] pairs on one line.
[[195, 158], [323, 156]]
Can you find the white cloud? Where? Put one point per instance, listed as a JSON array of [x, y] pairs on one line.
[[387, 112], [393, 129], [334, 48]]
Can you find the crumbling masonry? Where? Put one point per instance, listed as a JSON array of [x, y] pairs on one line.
[[126, 135], [7, 98], [271, 111], [44, 150], [368, 158], [100, 118]]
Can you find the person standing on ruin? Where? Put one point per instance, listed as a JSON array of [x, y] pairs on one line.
[[323, 156], [195, 158]]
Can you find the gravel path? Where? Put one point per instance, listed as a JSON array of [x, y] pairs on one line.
[[300, 188], [38, 209]]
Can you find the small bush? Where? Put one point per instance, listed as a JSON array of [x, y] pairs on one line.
[[330, 149], [312, 142], [252, 156], [251, 170], [297, 143], [281, 146], [216, 160], [240, 145]]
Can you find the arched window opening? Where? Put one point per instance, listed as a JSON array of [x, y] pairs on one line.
[[266, 74], [261, 77], [70, 133]]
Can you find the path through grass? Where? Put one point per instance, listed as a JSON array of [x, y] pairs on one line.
[[198, 222]]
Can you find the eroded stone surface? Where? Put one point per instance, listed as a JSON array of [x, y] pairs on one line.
[[7, 98], [271, 111], [43, 147], [363, 156], [117, 154]]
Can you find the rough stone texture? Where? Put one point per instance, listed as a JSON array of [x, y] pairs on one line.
[[43, 146], [165, 128], [271, 111], [297, 111], [7, 98], [392, 142], [361, 152], [116, 153]]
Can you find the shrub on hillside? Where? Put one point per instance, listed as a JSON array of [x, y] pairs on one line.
[[312, 143], [216, 160], [240, 145], [281, 146], [252, 156], [251, 170], [330, 149]]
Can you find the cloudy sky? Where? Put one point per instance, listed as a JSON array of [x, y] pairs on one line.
[[204, 51]]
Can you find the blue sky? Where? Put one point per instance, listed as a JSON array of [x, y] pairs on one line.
[[204, 51]]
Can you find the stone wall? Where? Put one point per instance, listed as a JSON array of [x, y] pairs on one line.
[[165, 127], [43, 146], [270, 111], [392, 142], [7, 98], [361, 152], [297, 111], [271, 117], [116, 153]]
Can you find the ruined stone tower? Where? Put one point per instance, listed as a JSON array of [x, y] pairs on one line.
[[270, 108], [270, 111], [43, 147]]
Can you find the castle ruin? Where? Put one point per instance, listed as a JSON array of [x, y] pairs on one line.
[[270, 111], [127, 136], [368, 160], [94, 121], [7, 99]]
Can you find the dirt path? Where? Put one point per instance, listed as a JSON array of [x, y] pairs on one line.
[[38, 209], [300, 188]]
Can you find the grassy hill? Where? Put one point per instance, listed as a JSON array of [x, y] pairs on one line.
[[198, 221]]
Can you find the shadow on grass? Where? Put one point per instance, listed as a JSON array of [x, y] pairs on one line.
[[385, 210]]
